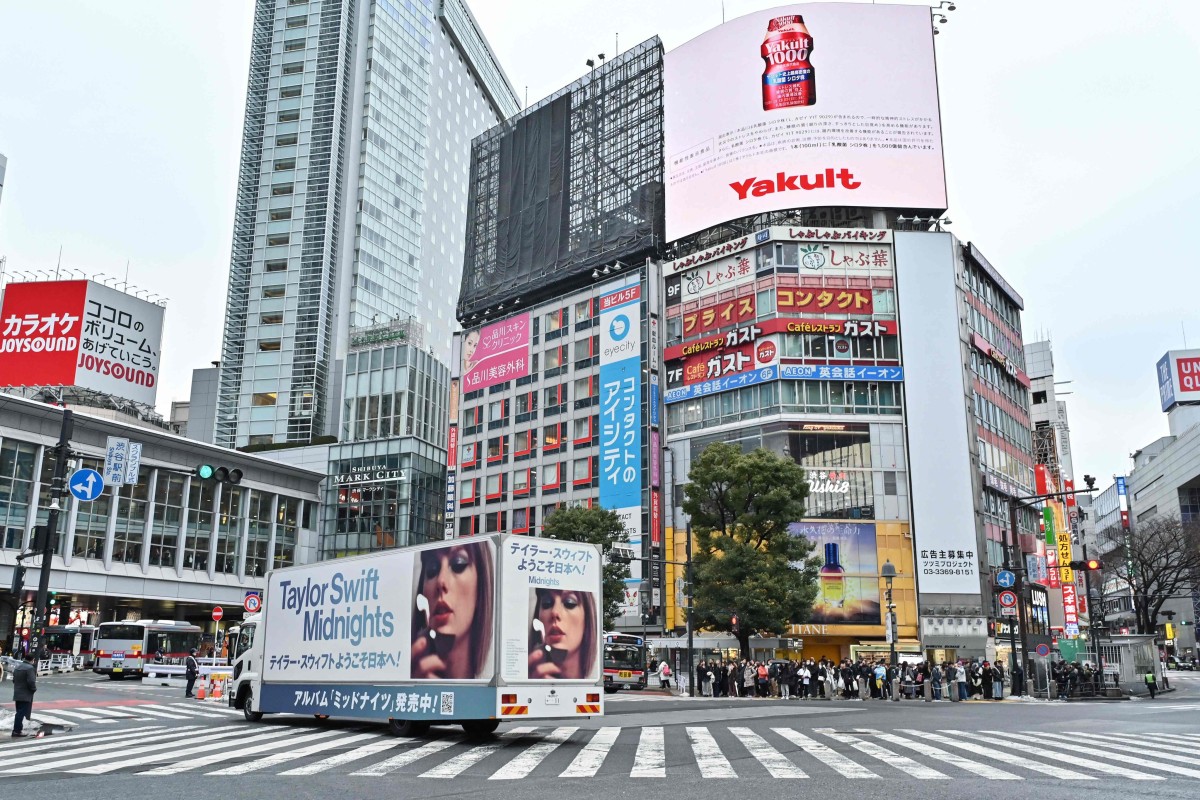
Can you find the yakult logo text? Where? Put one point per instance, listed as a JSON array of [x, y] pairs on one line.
[[782, 182]]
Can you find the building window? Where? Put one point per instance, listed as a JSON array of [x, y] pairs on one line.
[[497, 449], [585, 391], [889, 483], [583, 310], [469, 457], [496, 522], [553, 397], [552, 437], [282, 189], [288, 115], [551, 478], [286, 140], [584, 429], [470, 490], [554, 321], [521, 481], [279, 214], [287, 521], [468, 526], [495, 486], [199, 525], [288, 92], [284, 164], [269, 345], [524, 442], [521, 520], [264, 398], [278, 239], [292, 45], [526, 407], [296, 22], [168, 514], [259, 514], [262, 438], [581, 471], [1039, 398], [275, 265], [294, 68], [271, 318]]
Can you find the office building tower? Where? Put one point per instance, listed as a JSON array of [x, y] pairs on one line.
[[351, 198]]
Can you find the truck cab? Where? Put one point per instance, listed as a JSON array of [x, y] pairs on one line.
[[246, 658]]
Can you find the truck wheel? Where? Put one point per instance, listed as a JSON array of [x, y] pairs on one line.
[[477, 728], [407, 727], [610, 690], [247, 712]]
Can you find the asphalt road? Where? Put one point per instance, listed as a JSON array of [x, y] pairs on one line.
[[139, 737]]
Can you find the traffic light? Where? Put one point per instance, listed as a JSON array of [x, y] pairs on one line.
[[1091, 565], [208, 472], [734, 626], [18, 580]]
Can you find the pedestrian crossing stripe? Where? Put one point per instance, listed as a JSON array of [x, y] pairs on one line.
[[717, 753]]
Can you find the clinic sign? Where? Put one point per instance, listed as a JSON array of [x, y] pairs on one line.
[[1178, 373], [80, 333]]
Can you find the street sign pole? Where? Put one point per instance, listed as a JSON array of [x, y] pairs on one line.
[[62, 452]]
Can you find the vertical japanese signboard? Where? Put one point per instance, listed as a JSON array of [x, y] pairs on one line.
[[80, 333], [1051, 547], [621, 419]]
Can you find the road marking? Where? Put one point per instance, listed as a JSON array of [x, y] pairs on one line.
[[85, 715], [162, 714], [1143, 741], [108, 712], [982, 770], [589, 760], [889, 757], [709, 758], [238, 752], [365, 751], [1077, 746], [1000, 739], [528, 760], [52, 720], [176, 711], [1000, 755], [290, 754], [107, 743], [76, 738], [826, 754], [404, 759], [200, 744], [464, 761], [650, 760], [774, 761]]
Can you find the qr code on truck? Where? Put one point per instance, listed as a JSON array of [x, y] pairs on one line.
[[446, 706]]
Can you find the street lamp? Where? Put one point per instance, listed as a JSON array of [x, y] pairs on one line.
[[888, 573]]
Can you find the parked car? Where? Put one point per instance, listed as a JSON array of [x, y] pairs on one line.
[[1175, 663]]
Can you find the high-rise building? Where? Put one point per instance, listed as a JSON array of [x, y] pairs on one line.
[[351, 198], [3, 168]]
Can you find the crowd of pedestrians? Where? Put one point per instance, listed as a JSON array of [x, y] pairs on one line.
[[855, 680]]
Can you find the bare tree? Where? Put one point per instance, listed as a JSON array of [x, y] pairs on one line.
[[1164, 556]]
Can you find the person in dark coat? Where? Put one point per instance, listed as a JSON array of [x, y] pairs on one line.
[[1018, 680], [191, 669], [24, 685]]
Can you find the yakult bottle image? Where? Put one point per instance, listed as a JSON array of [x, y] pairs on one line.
[[788, 79]]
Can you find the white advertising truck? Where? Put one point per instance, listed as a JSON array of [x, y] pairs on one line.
[[468, 631]]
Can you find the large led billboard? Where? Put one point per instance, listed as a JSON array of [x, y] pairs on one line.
[[816, 104]]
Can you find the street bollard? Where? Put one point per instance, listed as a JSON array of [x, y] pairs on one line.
[[954, 691], [928, 691], [896, 689]]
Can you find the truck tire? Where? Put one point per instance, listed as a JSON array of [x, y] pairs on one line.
[[407, 727], [610, 690], [247, 706], [478, 728]]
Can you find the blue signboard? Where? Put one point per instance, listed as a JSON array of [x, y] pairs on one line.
[[725, 384], [1005, 579], [800, 372], [654, 400], [380, 701], [621, 399], [1166, 386]]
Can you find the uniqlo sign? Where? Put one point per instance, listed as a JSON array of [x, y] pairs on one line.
[[80, 333]]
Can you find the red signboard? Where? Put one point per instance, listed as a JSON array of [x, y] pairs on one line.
[[655, 518], [40, 330], [452, 448], [1041, 479], [817, 300], [1069, 486], [797, 325], [732, 312], [730, 361]]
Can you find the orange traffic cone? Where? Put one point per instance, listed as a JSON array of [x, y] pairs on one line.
[[216, 692], [200, 692]]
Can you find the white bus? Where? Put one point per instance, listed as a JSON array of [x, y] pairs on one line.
[[127, 648]]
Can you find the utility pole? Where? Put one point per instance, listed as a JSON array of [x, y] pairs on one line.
[[58, 491], [691, 627]]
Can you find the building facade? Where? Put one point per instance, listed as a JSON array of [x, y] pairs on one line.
[[171, 545], [351, 197]]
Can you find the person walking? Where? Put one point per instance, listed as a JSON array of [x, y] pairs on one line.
[[191, 669], [24, 679], [664, 674], [1151, 685]]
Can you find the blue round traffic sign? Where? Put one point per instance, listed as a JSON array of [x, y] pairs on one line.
[[1043, 650], [86, 484], [1006, 579]]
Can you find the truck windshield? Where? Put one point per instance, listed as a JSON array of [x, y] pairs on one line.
[[622, 656]]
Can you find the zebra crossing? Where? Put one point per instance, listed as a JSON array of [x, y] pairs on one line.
[[136, 712], [654, 752]]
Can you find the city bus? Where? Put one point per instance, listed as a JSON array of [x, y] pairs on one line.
[[624, 662], [124, 649], [60, 641]]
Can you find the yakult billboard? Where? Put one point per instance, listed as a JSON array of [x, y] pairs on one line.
[[80, 333], [819, 104]]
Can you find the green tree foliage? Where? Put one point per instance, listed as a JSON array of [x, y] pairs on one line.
[[746, 562], [600, 527]]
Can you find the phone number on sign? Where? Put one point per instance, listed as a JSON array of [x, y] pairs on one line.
[[948, 568]]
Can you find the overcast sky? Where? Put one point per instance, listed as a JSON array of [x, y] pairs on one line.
[[1070, 139]]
